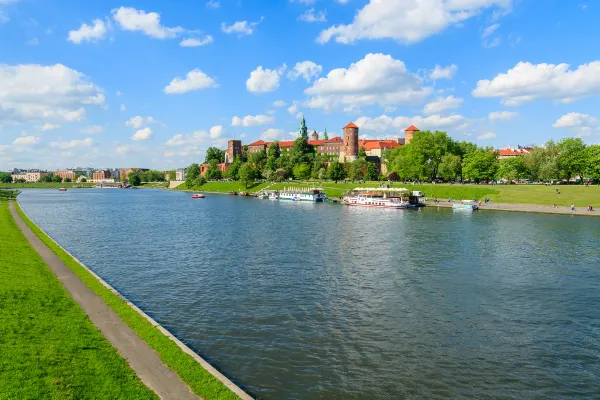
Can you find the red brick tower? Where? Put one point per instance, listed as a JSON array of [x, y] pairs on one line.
[[349, 149], [409, 133], [234, 148]]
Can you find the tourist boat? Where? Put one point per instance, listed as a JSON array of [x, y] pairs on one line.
[[198, 196], [274, 195], [314, 195], [377, 197], [263, 195], [468, 205], [62, 189], [233, 193], [244, 194]]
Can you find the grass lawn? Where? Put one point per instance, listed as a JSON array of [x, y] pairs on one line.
[[48, 346], [45, 185], [224, 187], [200, 381]]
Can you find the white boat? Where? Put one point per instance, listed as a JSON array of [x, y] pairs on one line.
[[378, 198], [314, 195], [468, 205], [274, 195]]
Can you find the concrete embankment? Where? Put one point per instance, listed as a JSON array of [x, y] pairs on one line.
[[524, 208]]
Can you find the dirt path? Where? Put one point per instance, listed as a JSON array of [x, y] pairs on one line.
[[524, 208], [143, 360]]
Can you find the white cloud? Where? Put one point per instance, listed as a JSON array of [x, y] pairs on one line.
[[49, 127], [264, 80], [492, 43], [123, 108], [138, 121], [216, 131], [118, 93], [342, 1], [293, 108], [26, 140], [407, 21], [376, 79], [252, 120], [486, 136], [93, 129], [37, 92], [195, 143], [441, 104], [130, 19], [311, 15], [71, 144], [3, 17], [279, 103], [242, 28], [527, 82], [502, 115], [33, 42], [194, 80], [195, 42], [396, 125], [142, 134], [489, 30], [306, 70], [88, 33], [273, 134], [213, 4], [581, 124], [439, 72]]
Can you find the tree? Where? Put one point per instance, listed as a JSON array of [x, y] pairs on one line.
[[371, 173], [571, 157], [362, 152], [83, 180], [281, 174], [258, 159], [512, 168], [213, 172], [68, 180], [5, 178], [47, 179], [193, 172], [480, 165], [592, 168], [215, 155], [56, 179], [302, 171], [247, 174], [232, 172], [134, 179], [450, 167], [301, 152], [322, 174], [541, 162], [336, 172], [358, 169], [393, 177], [274, 150]]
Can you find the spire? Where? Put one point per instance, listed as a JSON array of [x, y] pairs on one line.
[[303, 131], [325, 134]]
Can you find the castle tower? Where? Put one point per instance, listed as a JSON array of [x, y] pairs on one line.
[[325, 136], [349, 149], [409, 133], [303, 131], [234, 148], [315, 135]]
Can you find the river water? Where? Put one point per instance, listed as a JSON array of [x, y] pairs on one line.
[[321, 301]]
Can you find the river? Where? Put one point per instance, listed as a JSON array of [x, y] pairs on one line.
[[320, 301]]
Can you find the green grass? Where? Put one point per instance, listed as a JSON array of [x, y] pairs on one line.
[[200, 381], [223, 187], [153, 185], [48, 346], [52, 185]]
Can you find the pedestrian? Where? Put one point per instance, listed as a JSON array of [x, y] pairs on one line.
[[553, 205], [572, 207]]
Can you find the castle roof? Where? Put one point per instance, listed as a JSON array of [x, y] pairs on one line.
[[351, 125], [378, 144], [412, 128]]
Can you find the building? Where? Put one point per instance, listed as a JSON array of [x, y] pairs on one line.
[[222, 167], [314, 136], [409, 133], [65, 174], [180, 174], [101, 175], [375, 148], [124, 172], [30, 176], [349, 150], [509, 153], [234, 149]]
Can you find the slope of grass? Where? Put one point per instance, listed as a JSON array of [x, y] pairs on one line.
[[48, 346], [223, 187], [200, 381], [46, 185]]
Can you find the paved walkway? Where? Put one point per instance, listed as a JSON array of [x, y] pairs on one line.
[[141, 358], [524, 208]]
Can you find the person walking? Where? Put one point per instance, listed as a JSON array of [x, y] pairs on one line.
[[572, 207]]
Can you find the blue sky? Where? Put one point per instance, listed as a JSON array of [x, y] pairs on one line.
[[154, 83]]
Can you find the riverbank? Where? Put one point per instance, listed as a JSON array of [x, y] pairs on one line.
[[202, 379], [524, 208], [47, 185]]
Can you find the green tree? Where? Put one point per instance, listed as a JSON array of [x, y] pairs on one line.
[[213, 172], [541, 162], [481, 164], [571, 157], [302, 171], [281, 174], [232, 172], [512, 168], [46, 179], [301, 152], [83, 180], [592, 163], [68, 180], [193, 172], [247, 174], [215, 155], [258, 159], [371, 174], [450, 167], [362, 152], [358, 169], [5, 178], [134, 179], [336, 172], [56, 179], [274, 150]]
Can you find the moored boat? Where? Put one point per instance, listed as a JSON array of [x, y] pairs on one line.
[[244, 194], [467, 205], [314, 195], [232, 193], [198, 196], [62, 189], [378, 198]]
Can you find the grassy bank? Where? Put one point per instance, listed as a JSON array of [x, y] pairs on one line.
[[223, 187], [579, 195], [49, 347], [52, 185], [199, 380]]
